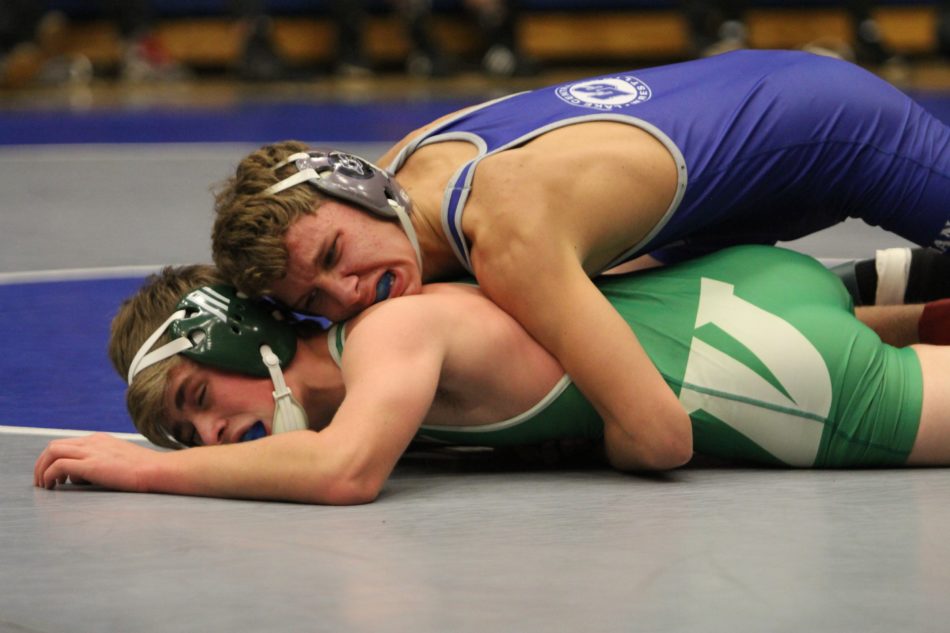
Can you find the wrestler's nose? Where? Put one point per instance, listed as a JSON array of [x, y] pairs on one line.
[[338, 297], [210, 428]]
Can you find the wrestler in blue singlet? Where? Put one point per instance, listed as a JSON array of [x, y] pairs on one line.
[[769, 145]]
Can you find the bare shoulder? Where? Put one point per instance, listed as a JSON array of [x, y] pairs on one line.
[[516, 196], [559, 166], [592, 189], [512, 191], [402, 314], [438, 314]]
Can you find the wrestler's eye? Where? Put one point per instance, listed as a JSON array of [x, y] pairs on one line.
[[331, 253]]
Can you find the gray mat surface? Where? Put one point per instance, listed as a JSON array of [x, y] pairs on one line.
[[476, 549]]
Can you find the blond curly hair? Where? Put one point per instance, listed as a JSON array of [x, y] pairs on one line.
[[247, 241], [137, 318]]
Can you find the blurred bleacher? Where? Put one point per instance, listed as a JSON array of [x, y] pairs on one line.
[[202, 33]]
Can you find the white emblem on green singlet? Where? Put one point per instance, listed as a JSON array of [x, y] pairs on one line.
[[787, 424]]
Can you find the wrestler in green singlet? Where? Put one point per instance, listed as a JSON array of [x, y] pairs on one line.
[[763, 350]]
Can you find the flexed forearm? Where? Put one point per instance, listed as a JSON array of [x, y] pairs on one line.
[[290, 467]]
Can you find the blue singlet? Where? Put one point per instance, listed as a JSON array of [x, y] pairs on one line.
[[770, 146]]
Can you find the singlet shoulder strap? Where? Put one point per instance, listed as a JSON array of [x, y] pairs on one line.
[[336, 338]]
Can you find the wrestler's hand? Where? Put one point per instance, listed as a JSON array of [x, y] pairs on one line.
[[94, 459]]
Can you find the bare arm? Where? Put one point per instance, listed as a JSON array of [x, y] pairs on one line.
[[545, 288], [391, 372], [302, 466], [542, 219]]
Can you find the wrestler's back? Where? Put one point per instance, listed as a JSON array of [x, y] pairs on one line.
[[768, 145]]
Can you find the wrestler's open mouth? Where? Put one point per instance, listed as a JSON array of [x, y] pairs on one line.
[[384, 286], [256, 432]]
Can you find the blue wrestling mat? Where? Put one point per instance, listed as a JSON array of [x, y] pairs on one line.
[[55, 370], [236, 123]]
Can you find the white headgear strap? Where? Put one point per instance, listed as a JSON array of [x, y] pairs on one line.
[[144, 358]]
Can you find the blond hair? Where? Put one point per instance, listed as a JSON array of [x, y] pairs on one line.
[[247, 241], [138, 317]]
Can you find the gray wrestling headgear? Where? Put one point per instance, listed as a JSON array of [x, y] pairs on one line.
[[353, 179], [216, 326]]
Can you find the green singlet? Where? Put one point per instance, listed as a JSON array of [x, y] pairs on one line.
[[763, 350]]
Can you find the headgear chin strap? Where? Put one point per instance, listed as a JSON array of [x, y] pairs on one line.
[[353, 179], [216, 326], [288, 414]]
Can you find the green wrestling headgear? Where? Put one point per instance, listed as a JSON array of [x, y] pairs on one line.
[[216, 326]]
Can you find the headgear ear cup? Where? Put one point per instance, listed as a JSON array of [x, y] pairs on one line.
[[234, 328], [216, 326], [352, 179]]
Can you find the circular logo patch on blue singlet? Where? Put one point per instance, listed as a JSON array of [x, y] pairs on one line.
[[605, 93]]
